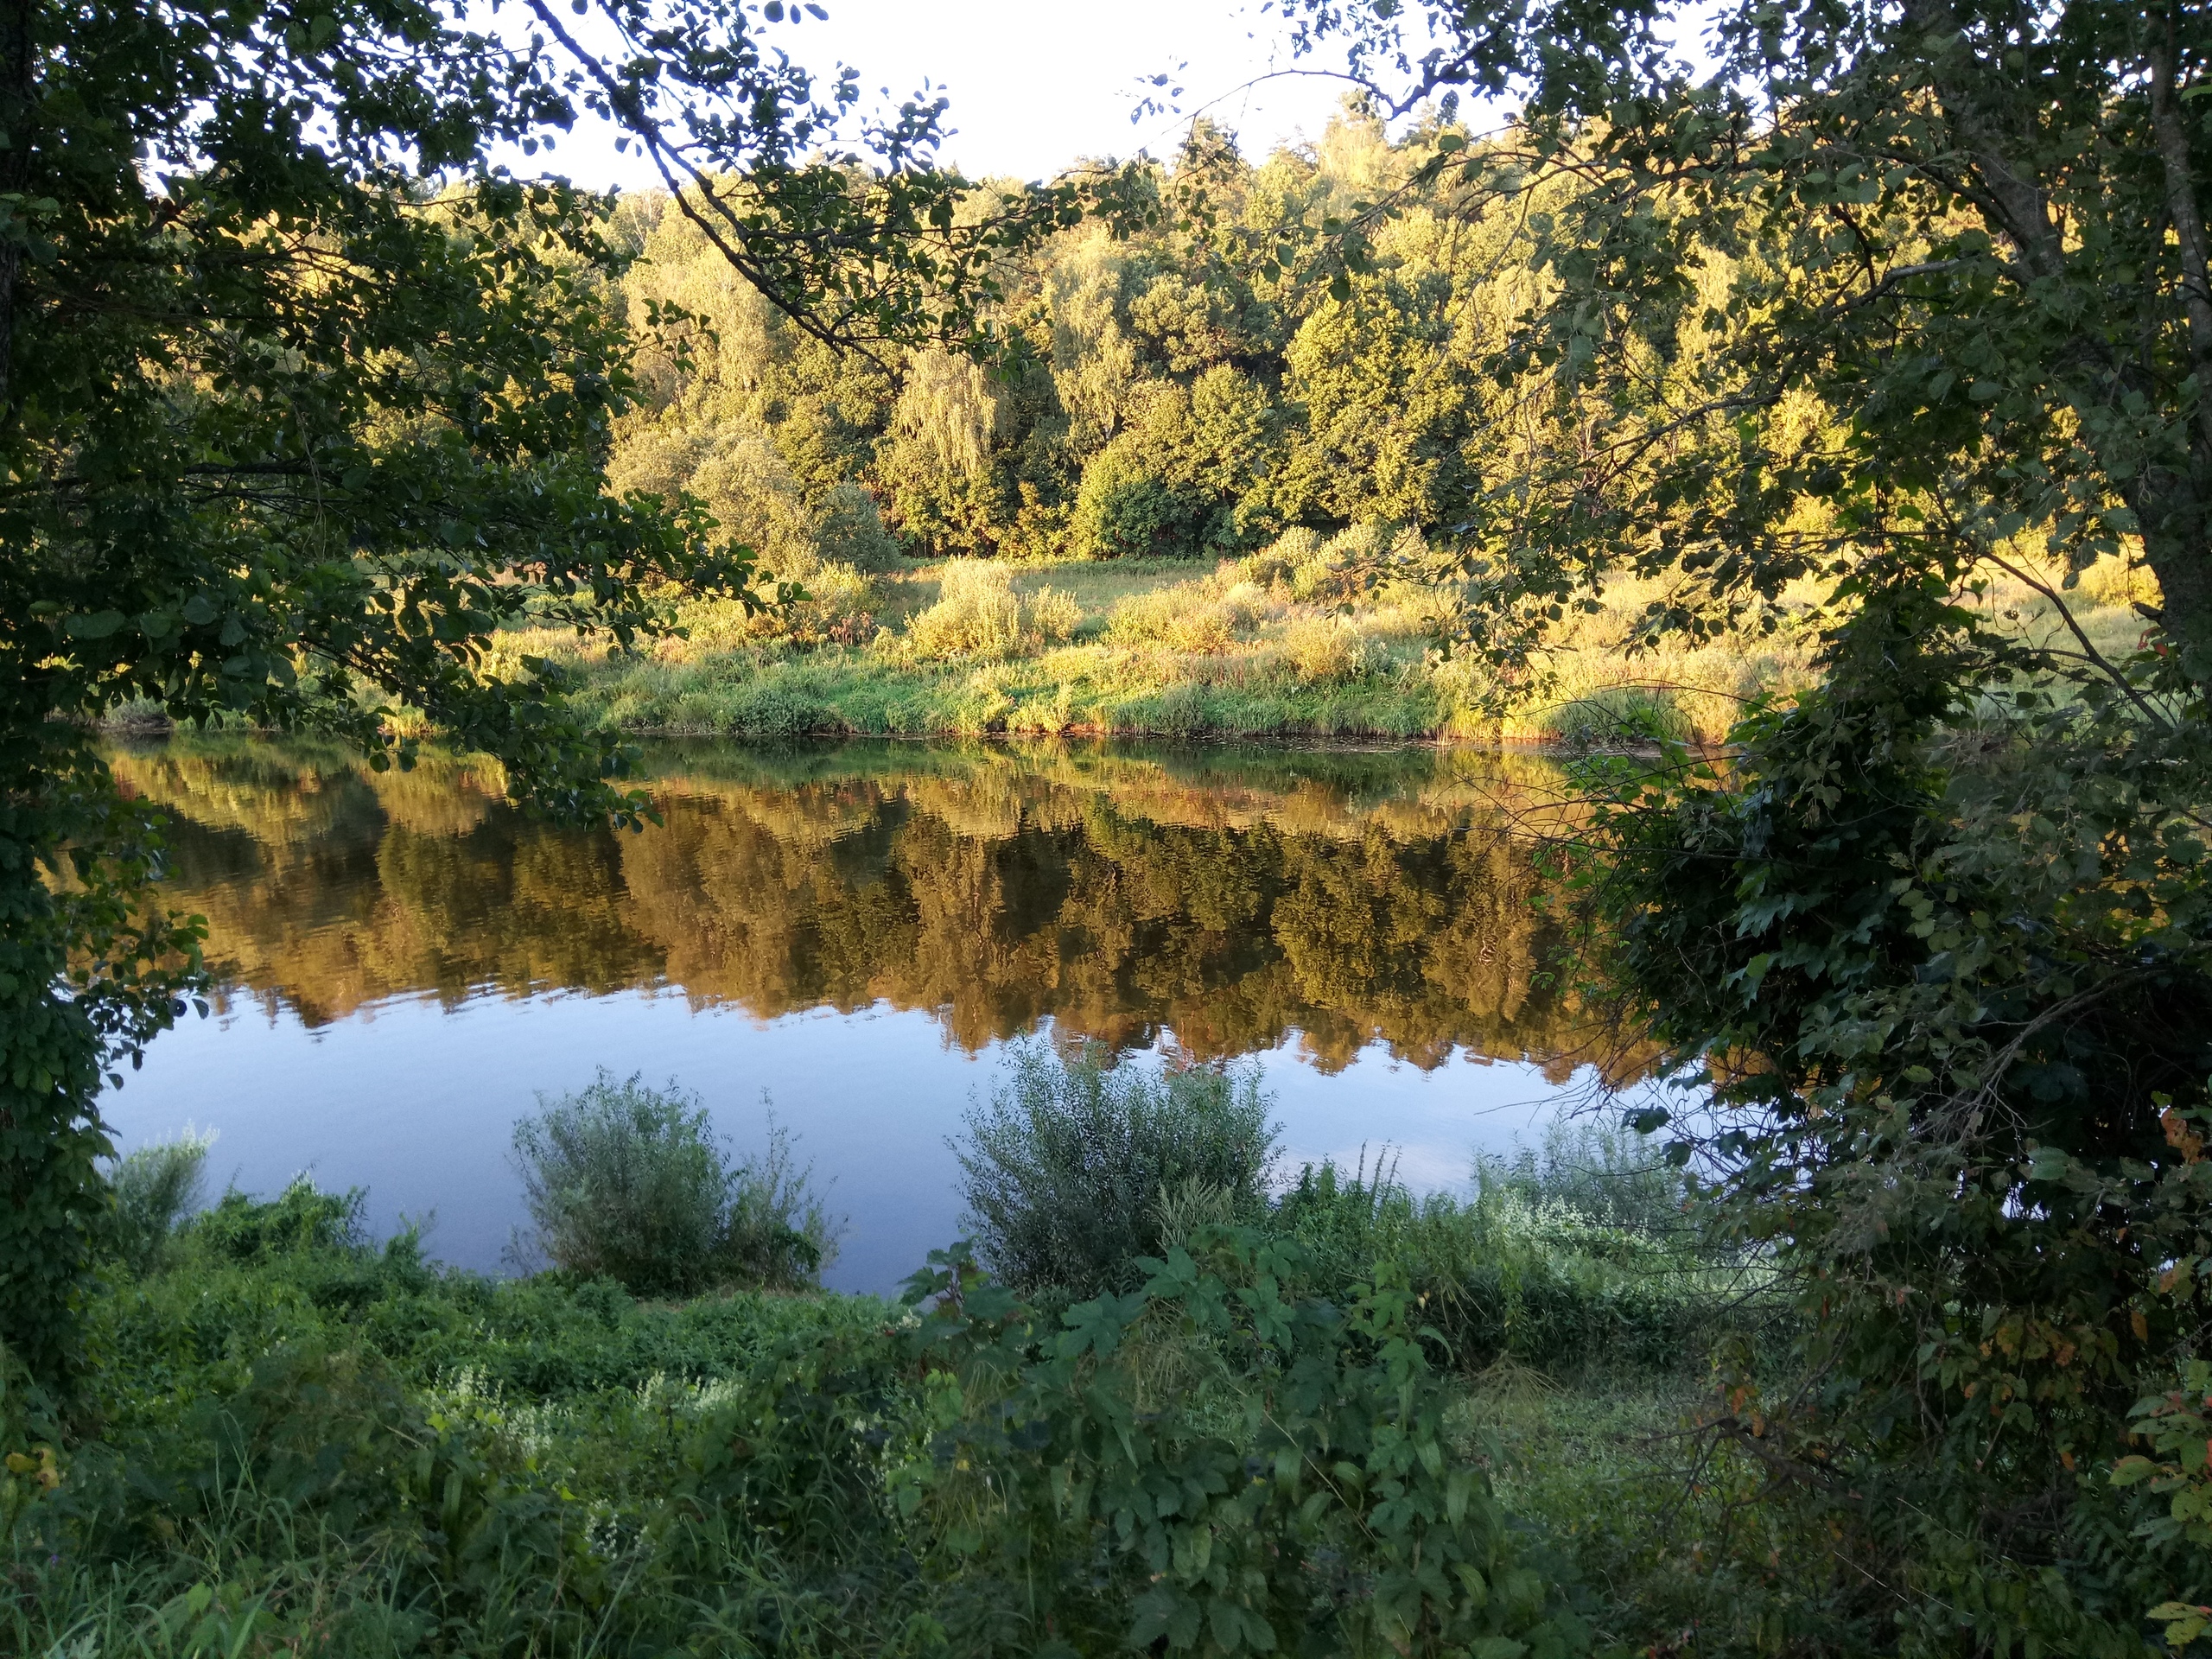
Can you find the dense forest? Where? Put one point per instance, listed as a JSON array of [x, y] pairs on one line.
[[1185, 390], [1263, 448]]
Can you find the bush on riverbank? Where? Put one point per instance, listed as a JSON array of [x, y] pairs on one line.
[[156, 1186], [1519, 1276], [1076, 1169], [1567, 1258], [630, 1183]]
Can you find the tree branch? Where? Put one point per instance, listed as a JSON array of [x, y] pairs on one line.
[[2181, 206], [2088, 650]]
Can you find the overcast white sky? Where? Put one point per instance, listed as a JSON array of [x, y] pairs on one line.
[[1035, 85]]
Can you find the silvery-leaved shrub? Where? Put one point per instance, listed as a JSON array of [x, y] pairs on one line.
[[1065, 1169], [631, 1182], [156, 1186]]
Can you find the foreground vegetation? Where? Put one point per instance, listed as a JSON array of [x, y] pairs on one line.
[[308, 1442]]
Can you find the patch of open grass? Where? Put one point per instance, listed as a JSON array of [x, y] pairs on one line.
[[1307, 638]]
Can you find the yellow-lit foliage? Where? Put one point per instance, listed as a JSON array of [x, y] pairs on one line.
[[978, 613], [1236, 900]]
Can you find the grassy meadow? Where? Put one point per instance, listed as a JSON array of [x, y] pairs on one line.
[[1304, 639], [296, 1440]]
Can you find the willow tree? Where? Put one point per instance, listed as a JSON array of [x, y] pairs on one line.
[[301, 396]]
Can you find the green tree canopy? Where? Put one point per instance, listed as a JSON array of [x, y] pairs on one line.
[[301, 396], [1882, 298], [1880, 288]]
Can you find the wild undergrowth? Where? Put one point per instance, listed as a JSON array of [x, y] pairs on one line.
[[1227, 1413], [1573, 1255], [299, 1441], [156, 1186]]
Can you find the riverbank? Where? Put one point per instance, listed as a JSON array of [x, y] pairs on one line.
[[293, 1440], [1303, 641]]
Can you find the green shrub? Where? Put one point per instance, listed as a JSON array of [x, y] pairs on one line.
[[630, 1183], [1065, 1173], [301, 1217], [1123, 510], [977, 613], [1516, 1273], [1054, 616], [156, 1187], [137, 717], [624, 1182], [760, 708], [1617, 716], [1288, 1488], [1612, 1177], [777, 1233], [1271, 566], [1191, 617], [1184, 709], [1324, 650], [849, 530]]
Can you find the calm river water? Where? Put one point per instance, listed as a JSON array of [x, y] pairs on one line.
[[847, 937]]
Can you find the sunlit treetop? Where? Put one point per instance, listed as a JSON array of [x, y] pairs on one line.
[[302, 396], [1971, 237]]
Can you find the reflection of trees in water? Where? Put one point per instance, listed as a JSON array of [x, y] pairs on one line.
[[1117, 894]]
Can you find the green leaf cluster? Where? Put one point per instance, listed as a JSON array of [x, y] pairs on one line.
[[1293, 1492]]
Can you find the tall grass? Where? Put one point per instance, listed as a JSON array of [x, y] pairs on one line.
[[630, 1183], [1076, 1169], [243, 1229], [1520, 1270], [980, 613], [294, 1441], [156, 1186]]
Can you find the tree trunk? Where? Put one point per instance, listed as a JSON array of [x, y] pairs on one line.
[[18, 124], [2174, 510], [2173, 501]]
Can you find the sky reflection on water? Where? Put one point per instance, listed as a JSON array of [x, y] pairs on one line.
[[416, 1101], [857, 932]]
